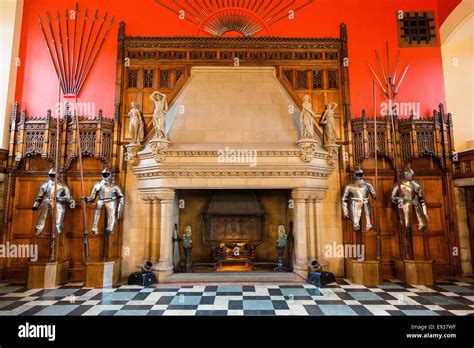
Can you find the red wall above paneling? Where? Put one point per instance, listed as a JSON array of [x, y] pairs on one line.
[[370, 24], [445, 7]]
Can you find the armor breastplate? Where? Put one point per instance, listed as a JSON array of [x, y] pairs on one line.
[[359, 191], [107, 191], [50, 192], [407, 191]]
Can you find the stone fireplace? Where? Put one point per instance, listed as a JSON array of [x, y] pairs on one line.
[[238, 111]]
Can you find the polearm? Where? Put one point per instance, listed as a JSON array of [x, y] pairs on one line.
[[58, 17], [63, 77], [55, 233], [67, 52], [86, 17], [391, 91], [81, 61], [58, 74], [377, 225], [83, 190], [96, 54], [76, 12], [174, 11], [85, 60], [401, 215], [405, 245]]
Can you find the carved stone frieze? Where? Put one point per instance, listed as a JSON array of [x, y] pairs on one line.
[[302, 194], [163, 195], [232, 173]]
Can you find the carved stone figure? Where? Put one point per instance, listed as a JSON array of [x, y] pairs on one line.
[[282, 237], [136, 126], [307, 119], [159, 114], [110, 196], [358, 192], [327, 122], [410, 198], [46, 194], [186, 239]]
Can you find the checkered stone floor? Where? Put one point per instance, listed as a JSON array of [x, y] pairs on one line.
[[343, 298]]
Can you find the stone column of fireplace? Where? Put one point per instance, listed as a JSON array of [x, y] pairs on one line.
[[311, 229], [148, 226], [150, 230], [167, 218], [318, 231], [300, 261], [155, 230]]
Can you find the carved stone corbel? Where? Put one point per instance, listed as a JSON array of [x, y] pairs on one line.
[[159, 148], [131, 154], [307, 149], [333, 150]]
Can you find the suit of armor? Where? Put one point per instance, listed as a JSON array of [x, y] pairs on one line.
[[110, 196], [358, 191], [410, 196], [46, 195]]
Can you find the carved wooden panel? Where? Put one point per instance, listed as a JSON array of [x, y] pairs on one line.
[[432, 243], [27, 171]]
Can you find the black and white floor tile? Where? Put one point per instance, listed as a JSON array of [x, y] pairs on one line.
[[343, 298]]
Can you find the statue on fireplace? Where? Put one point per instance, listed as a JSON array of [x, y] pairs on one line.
[[159, 114], [327, 122], [358, 192], [136, 126], [47, 192], [307, 119], [110, 196]]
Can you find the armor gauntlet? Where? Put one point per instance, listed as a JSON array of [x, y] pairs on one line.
[[36, 204]]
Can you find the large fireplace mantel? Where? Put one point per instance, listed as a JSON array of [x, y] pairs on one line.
[[241, 109]]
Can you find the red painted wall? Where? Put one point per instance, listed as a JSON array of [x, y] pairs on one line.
[[445, 7], [370, 24]]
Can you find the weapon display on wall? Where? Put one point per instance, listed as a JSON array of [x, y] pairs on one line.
[[248, 17], [72, 65], [390, 90]]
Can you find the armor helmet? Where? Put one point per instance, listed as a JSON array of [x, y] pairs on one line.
[[359, 173], [408, 174], [52, 173], [106, 173]]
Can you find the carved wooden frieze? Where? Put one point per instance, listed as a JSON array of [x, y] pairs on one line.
[[37, 136], [416, 137]]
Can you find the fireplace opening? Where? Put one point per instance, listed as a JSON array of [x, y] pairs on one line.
[[235, 230]]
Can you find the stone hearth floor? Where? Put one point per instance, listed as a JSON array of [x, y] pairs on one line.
[[392, 298]]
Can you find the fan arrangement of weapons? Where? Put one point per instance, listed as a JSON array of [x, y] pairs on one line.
[[390, 85], [233, 15], [73, 43]]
